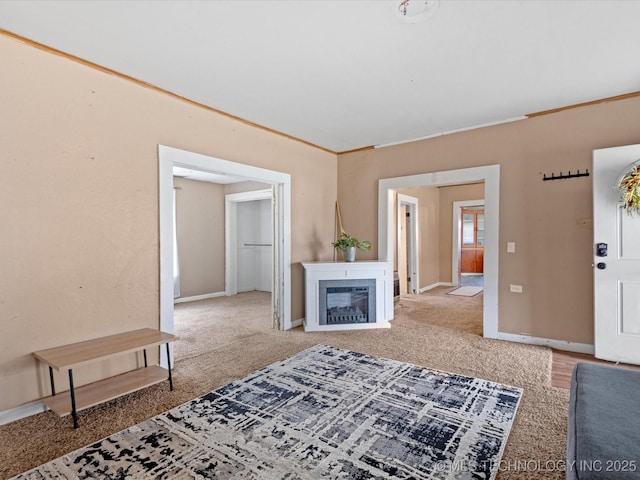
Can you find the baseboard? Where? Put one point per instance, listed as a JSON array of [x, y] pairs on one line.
[[199, 297], [297, 323], [26, 410], [434, 285], [548, 342]]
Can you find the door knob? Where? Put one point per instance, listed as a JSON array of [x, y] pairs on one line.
[[601, 265]]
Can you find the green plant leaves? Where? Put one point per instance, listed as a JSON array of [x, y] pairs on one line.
[[630, 186]]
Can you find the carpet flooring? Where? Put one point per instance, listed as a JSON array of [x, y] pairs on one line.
[[322, 413], [224, 339]]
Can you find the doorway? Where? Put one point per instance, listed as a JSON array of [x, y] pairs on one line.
[[248, 241], [490, 176], [168, 157], [467, 263], [408, 243]]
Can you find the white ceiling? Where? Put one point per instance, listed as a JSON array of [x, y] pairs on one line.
[[348, 74]]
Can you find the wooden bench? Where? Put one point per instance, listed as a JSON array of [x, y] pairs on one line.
[[68, 357]]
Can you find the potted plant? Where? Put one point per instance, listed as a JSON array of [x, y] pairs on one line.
[[630, 186], [348, 245]]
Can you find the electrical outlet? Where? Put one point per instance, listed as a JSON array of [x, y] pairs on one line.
[[511, 247], [515, 288]]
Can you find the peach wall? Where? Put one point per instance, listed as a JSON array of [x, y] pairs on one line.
[[79, 201], [200, 229], [79, 197], [546, 219]]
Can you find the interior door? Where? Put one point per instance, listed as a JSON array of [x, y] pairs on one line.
[[616, 259], [403, 263], [408, 244], [472, 246]]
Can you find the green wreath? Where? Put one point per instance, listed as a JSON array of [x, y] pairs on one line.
[[630, 186]]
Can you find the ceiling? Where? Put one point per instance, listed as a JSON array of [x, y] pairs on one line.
[[344, 75]]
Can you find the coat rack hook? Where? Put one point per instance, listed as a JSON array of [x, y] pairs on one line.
[[562, 176]]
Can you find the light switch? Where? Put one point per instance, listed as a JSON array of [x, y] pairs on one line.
[[511, 247], [515, 288]]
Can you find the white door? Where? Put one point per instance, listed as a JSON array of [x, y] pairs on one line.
[[616, 259], [408, 243], [402, 250]]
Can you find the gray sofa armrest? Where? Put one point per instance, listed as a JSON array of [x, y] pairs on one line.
[[603, 438]]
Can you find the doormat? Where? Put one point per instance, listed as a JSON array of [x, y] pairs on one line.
[[323, 413], [466, 291]]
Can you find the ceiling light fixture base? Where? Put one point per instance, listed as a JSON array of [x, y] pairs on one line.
[[414, 11]]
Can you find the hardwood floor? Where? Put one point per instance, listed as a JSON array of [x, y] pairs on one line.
[[563, 363]]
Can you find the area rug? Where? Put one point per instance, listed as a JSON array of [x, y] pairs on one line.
[[467, 291], [323, 413]]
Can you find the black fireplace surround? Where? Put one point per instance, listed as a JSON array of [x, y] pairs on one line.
[[347, 301]]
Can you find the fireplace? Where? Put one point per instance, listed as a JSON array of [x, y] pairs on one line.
[[347, 301], [348, 295]]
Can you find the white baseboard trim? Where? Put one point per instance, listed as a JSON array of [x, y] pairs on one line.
[[548, 342], [297, 323], [199, 297], [26, 410], [434, 285]]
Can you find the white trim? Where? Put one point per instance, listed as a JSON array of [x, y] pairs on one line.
[[435, 285], [548, 342], [448, 132], [413, 237], [169, 157], [490, 175], [457, 241], [231, 201], [26, 410], [195, 298], [297, 323], [263, 194]]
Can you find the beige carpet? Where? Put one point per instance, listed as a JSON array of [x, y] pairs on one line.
[[224, 339]]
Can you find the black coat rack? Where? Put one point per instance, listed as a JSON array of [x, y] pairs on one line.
[[564, 177]]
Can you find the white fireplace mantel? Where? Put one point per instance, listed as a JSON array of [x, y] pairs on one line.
[[381, 272]]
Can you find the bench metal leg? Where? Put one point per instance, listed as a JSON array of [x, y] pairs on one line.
[[53, 385], [169, 367], [74, 412]]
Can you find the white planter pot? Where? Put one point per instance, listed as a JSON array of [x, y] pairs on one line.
[[350, 254]]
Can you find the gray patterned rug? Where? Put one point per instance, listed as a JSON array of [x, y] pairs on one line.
[[321, 414]]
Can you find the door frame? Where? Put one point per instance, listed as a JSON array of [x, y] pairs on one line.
[[490, 175], [413, 239], [456, 236], [168, 157], [231, 201]]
